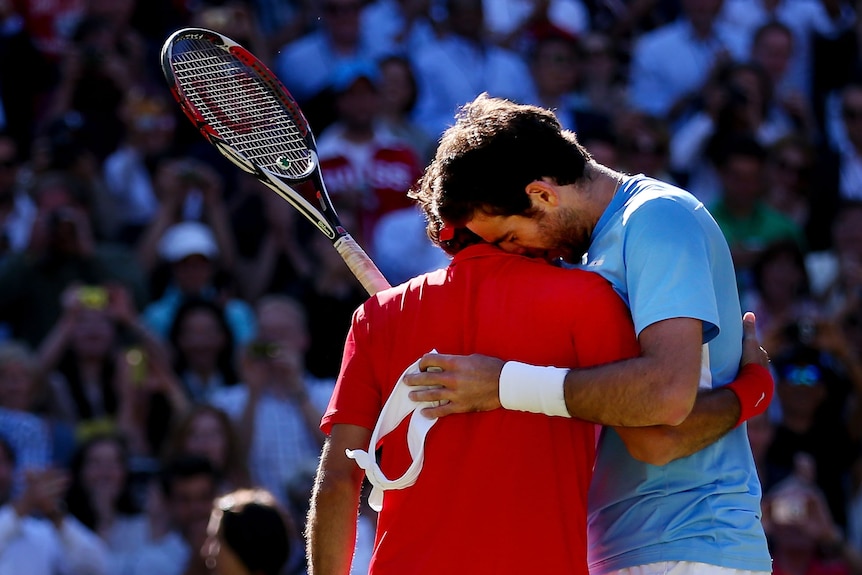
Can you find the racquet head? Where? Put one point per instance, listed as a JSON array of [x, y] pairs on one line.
[[243, 110]]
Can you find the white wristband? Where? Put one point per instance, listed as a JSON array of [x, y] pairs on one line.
[[533, 388]]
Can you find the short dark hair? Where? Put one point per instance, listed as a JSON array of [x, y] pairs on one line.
[[770, 26], [185, 467], [487, 158], [255, 528]]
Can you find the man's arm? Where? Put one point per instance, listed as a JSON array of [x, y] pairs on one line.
[[624, 393], [715, 413], [331, 528], [656, 388]]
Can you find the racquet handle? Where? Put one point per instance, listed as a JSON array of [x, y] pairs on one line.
[[361, 265]]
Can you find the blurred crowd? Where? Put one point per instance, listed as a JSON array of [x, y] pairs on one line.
[[170, 329]]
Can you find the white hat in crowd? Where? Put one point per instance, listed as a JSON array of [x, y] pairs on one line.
[[187, 239]]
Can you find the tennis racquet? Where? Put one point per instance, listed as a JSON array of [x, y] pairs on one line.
[[243, 110]]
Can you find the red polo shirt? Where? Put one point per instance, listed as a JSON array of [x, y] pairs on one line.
[[501, 491]]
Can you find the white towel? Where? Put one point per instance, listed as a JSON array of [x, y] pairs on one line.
[[396, 408]]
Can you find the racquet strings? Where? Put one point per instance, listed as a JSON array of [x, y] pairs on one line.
[[240, 107]]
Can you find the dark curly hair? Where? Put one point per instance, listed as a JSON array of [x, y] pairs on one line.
[[485, 161]]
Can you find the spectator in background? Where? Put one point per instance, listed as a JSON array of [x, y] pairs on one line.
[[402, 26], [401, 248], [810, 388], [463, 63], [149, 135], [208, 431], [663, 84], [271, 241], [510, 22], [282, 21], [789, 185], [98, 68], [37, 537], [278, 406], [553, 59], [203, 348], [398, 95], [62, 147], [29, 443], [601, 86], [307, 64], [249, 532], [25, 389], [85, 348], [644, 144], [191, 251], [806, 18], [102, 495], [749, 224], [803, 535], [237, 20], [189, 190], [780, 296], [840, 173], [737, 102], [62, 251], [188, 485], [837, 272], [772, 48], [367, 168]]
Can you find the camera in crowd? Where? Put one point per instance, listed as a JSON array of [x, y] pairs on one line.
[[264, 350], [93, 297]]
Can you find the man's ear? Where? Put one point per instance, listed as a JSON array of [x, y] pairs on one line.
[[543, 193]]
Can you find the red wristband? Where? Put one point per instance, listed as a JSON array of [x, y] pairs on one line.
[[754, 388]]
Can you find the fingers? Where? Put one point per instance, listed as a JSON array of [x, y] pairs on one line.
[[439, 411], [749, 325], [433, 360], [751, 350]]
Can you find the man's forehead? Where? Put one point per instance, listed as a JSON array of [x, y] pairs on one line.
[[492, 229]]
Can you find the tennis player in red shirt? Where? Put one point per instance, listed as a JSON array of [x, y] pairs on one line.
[[501, 492]]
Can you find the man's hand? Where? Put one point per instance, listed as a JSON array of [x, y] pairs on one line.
[[751, 350], [468, 383], [43, 494]]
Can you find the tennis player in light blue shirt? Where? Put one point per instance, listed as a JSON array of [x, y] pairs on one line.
[[642, 513], [660, 502]]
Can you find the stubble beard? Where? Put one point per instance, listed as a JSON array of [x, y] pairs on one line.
[[566, 236]]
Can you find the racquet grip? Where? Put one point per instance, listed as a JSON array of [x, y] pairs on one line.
[[361, 265]]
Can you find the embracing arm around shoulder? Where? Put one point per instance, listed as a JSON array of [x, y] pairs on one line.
[[656, 388], [716, 412], [331, 528]]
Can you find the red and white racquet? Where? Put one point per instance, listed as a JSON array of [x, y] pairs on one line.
[[243, 110]]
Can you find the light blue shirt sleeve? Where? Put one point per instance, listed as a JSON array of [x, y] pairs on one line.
[[668, 265]]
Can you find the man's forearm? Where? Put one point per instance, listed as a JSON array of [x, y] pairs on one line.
[[715, 413], [331, 528], [633, 393]]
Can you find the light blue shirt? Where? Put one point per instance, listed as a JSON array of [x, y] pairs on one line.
[[805, 18], [666, 256], [671, 62], [159, 315], [454, 70], [306, 65]]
